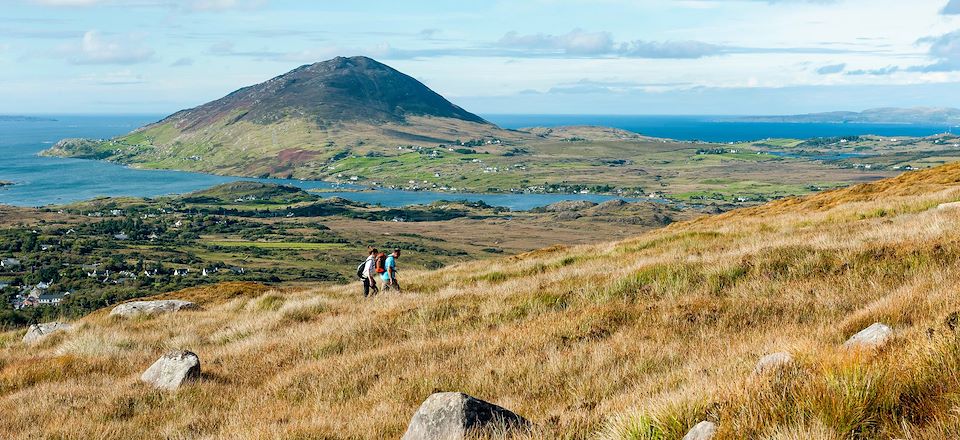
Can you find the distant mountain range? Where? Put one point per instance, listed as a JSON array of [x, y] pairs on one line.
[[20, 118], [294, 123], [887, 115]]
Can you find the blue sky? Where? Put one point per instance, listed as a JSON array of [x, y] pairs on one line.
[[522, 56]]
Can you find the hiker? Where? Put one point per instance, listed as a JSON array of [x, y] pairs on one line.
[[367, 272], [389, 274]]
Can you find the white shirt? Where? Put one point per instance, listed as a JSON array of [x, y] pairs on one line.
[[369, 267]]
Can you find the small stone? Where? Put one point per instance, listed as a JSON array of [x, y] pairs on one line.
[[874, 336], [773, 361], [37, 332], [702, 431], [950, 205], [135, 308], [454, 416], [172, 370]]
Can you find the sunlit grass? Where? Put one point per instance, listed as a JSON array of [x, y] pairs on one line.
[[638, 339]]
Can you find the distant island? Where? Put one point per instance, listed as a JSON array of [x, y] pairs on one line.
[[21, 118], [917, 115]]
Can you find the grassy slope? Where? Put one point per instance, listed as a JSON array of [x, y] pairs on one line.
[[633, 339], [293, 146]]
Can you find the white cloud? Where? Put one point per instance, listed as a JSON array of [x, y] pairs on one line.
[[118, 78], [219, 5], [183, 5], [952, 8], [96, 48], [946, 50], [831, 69], [670, 49], [575, 42], [68, 2]]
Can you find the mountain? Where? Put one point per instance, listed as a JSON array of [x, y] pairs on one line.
[[293, 124], [356, 89], [635, 339], [887, 115]]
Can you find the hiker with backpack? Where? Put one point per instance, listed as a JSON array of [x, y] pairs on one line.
[[367, 272], [389, 274]]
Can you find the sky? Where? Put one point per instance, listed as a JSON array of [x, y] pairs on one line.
[[491, 57]]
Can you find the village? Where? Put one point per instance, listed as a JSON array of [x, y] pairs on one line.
[[79, 258]]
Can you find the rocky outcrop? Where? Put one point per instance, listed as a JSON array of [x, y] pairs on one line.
[[568, 206], [136, 308], [702, 431], [37, 332], [773, 362], [453, 416], [172, 370], [874, 336]]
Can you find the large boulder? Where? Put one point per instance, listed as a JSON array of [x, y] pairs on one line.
[[136, 308], [702, 431], [172, 370], [454, 416], [949, 205], [773, 362], [37, 332], [874, 336]]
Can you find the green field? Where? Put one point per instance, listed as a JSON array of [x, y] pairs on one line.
[[287, 245]]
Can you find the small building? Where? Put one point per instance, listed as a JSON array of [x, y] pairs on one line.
[[51, 299], [10, 263]]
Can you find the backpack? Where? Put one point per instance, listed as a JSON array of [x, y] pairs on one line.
[[381, 262], [360, 268]]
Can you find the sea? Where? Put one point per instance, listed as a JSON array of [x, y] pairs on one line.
[[42, 181]]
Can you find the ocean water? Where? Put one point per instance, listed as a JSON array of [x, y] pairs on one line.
[[41, 181], [714, 128]]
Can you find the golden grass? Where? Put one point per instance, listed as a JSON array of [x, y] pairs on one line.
[[637, 339]]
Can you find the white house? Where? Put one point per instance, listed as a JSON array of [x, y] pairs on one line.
[[51, 299]]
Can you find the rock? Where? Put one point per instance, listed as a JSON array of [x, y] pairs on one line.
[[702, 431], [453, 416], [172, 370], [871, 337], [950, 205], [37, 332], [134, 308], [569, 205], [611, 205], [773, 361], [567, 216]]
